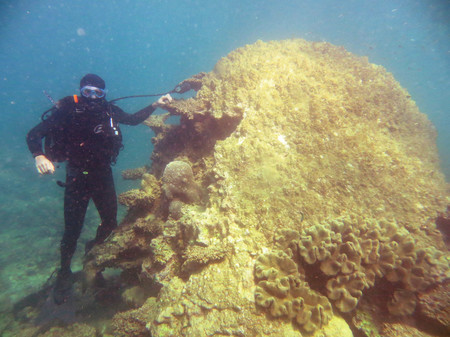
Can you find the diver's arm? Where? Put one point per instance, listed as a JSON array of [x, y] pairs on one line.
[[134, 119], [34, 138], [34, 141], [36, 134], [121, 116]]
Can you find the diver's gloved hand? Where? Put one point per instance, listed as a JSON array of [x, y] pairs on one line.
[[163, 101], [43, 165]]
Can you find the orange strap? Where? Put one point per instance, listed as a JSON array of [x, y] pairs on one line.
[[75, 98]]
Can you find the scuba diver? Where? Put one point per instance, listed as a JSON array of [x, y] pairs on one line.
[[84, 131]]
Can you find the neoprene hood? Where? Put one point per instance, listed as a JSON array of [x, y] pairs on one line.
[[92, 80]]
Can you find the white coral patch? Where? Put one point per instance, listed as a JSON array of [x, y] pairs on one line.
[[282, 140], [267, 83]]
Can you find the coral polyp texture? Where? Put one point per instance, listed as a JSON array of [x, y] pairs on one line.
[[300, 182]]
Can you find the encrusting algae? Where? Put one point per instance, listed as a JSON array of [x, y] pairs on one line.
[[310, 183]]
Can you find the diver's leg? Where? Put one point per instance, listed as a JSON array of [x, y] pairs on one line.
[[104, 196], [105, 199], [76, 200]]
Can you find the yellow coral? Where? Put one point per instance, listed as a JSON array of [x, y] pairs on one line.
[[325, 131], [281, 289], [196, 257], [293, 134], [145, 196], [346, 290], [353, 252]]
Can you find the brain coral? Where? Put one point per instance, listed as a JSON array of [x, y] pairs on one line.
[[178, 182]]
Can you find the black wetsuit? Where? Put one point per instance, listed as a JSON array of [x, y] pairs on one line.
[[89, 135]]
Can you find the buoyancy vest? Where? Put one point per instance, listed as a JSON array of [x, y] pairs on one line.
[[76, 136]]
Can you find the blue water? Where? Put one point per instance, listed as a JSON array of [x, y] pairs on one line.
[[143, 47]]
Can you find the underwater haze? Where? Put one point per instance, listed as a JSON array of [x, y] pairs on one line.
[[145, 47]]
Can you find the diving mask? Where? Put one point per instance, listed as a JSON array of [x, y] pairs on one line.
[[92, 92]]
